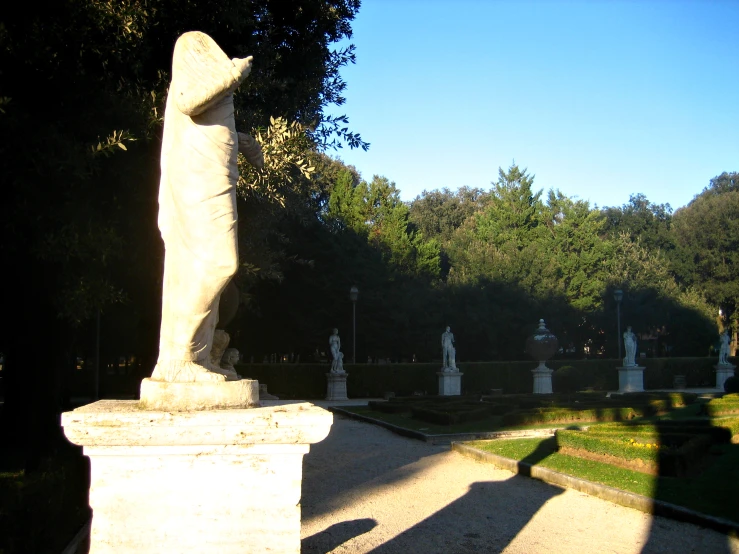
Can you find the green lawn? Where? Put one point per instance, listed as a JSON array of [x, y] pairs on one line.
[[714, 492]]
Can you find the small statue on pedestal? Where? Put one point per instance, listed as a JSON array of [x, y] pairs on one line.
[[448, 352], [334, 343], [630, 346], [723, 355]]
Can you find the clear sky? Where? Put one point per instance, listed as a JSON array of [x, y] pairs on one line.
[[599, 99]]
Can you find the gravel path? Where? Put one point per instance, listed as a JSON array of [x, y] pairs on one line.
[[366, 489]]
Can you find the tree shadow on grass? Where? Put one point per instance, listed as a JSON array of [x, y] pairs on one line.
[[706, 481]]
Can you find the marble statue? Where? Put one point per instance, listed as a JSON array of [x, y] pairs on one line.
[[448, 352], [197, 203], [338, 365], [630, 346], [334, 343], [723, 355]]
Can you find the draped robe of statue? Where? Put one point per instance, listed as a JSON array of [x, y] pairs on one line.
[[197, 203]]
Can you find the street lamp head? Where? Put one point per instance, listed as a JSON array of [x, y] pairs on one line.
[[353, 293], [618, 295]]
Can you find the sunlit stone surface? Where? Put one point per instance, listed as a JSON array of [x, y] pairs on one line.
[[216, 481]]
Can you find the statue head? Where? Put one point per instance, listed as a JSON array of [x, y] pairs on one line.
[[447, 328], [231, 356], [336, 331]]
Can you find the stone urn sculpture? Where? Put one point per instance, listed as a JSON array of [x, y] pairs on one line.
[[541, 346]]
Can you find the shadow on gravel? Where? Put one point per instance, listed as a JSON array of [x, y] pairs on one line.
[[336, 535], [346, 463], [486, 519]]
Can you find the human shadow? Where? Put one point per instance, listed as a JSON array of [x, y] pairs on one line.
[[335, 535], [486, 519], [344, 467]]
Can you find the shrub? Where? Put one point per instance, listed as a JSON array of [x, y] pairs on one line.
[[730, 423], [727, 405], [567, 415], [452, 415], [731, 385]]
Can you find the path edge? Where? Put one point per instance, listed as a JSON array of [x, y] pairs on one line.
[[604, 492]]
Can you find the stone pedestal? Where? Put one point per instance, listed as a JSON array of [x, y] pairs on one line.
[[450, 383], [723, 372], [336, 389], [542, 379], [631, 378], [215, 481]]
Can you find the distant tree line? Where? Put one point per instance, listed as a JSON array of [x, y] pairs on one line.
[[491, 263]]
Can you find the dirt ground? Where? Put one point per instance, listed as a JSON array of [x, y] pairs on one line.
[[366, 490]]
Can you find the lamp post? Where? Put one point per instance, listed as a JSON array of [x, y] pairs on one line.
[[618, 296], [353, 293]]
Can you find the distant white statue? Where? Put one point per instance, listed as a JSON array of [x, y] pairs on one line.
[[448, 352], [197, 203], [630, 346], [337, 366], [334, 343], [723, 355]]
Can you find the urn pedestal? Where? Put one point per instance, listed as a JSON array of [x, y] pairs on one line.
[[542, 379], [542, 345]]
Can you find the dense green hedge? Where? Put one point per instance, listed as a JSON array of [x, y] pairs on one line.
[[565, 415], [727, 405], [730, 423], [371, 380], [452, 414]]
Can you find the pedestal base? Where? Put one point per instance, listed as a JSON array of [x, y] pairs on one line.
[[336, 389], [450, 383], [215, 481], [723, 372], [179, 397], [631, 378], [542, 380]]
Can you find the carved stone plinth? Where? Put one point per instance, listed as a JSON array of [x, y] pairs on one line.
[[723, 372], [336, 389], [450, 383], [631, 378], [542, 379], [214, 481]]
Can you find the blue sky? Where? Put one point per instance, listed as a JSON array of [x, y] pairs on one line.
[[599, 99]]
